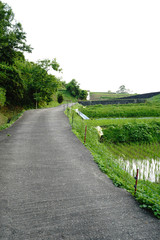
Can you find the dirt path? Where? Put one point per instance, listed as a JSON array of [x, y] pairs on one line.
[[51, 189]]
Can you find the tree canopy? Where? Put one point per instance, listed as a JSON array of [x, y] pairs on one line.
[[74, 88], [23, 82], [122, 89], [12, 36]]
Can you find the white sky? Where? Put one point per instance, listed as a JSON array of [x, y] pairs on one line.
[[103, 44]]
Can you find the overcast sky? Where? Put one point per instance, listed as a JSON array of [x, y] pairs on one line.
[[103, 44]]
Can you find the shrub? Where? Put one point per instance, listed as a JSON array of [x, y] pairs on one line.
[[2, 97], [135, 132], [60, 98]]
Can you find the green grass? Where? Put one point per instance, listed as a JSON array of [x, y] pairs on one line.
[[107, 96], [155, 99], [122, 121], [67, 96], [3, 119], [135, 151], [148, 194], [132, 133], [122, 110], [8, 115]]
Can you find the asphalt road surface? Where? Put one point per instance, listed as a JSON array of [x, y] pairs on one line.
[[51, 189]]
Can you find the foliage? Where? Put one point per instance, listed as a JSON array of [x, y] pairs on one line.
[[11, 81], [2, 96], [122, 89], [155, 99], [135, 151], [74, 89], [25, 83], [38, 84], [107, 95], [3, 119], [122, 110], [12, 37], [83, 94], [60, 98], [128, 133], [8, 115], [67, 96], [148, 194], [122, 121]]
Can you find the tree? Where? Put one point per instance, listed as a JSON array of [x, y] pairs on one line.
[[60, 98], [12, 37], [73, 88], [2, 97], [11, 81], [83, 94], [39, 85], [25, 83], [122, 89]]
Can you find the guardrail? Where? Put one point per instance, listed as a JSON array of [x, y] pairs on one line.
[[83, 116]]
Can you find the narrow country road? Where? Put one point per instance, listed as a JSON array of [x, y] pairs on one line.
[[51, 189]]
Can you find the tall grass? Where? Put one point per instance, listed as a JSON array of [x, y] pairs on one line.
[[107, 95], [148, 194], [135, 151], [122, 110], [8, 115], [136, 133], [122, 121]]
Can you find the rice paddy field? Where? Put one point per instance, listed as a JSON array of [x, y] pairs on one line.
[[129, 140], [134, 142], [107, 95]]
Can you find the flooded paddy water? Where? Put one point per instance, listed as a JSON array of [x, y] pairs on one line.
[[145, 157], [148, 169]]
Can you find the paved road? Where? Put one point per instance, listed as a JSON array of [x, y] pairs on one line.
[[51, 189]]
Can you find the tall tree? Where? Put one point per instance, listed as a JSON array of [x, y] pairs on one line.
[[12, 36], [39, 85], [2, 96], [11, 81], [73, 88], [122, 89]]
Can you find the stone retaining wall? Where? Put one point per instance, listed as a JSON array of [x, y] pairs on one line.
[[116, 101]]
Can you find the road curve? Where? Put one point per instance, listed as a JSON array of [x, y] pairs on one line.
[[51, 189]]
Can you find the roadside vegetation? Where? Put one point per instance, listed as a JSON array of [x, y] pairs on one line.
[[8, 115], [122, 110], [148, 193], [108, 95], [25, 84]]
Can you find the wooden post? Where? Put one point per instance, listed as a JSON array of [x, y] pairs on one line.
[[135, 186], [72, 118], [85, 134]]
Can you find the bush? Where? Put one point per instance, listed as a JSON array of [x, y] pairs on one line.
[[135, 132], [60, 98], [2, 97]]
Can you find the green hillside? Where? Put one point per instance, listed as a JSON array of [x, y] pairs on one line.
[[107, 95]]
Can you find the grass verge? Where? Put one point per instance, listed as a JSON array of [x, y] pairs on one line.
[[9, 115], [148, 194]]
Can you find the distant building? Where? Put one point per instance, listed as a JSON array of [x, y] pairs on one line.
[[88, 96]]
